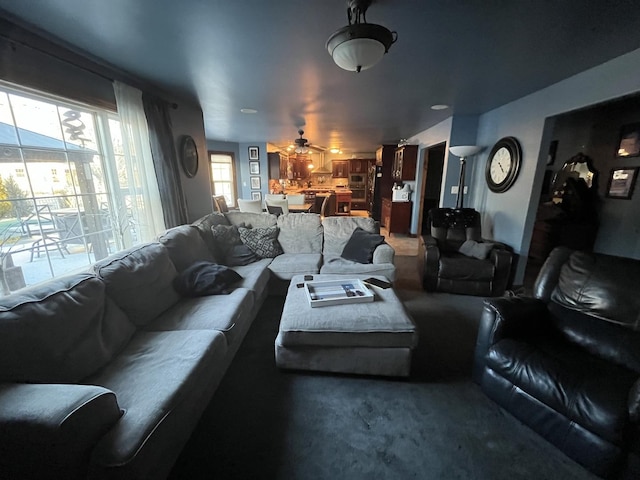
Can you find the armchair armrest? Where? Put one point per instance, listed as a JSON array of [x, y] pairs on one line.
[[49, 429], [501, 258], [506, 317], [634, 402], [431, 263], [384, 253]]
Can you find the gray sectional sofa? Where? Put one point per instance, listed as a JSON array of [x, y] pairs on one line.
[[104, 374]]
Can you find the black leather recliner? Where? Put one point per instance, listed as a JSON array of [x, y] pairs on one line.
[[447, 269], [567, 362]]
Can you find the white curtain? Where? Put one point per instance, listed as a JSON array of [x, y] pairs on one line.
[[145, 207]]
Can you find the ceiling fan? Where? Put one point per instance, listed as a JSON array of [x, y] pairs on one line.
[[302, 145]]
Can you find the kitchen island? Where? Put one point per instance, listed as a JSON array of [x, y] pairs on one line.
[[339, 199]]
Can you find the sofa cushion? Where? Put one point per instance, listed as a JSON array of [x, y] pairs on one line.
[[205, 278], [253, 220], [300, 233], [262, 241], [204, 225], [222, 313], [289, 264], [60, 331], [589, 391], [225, 238], [336, 264], [361, 246], [255, 277], [456, 266], [154, 376], [338, 230], [185, 246], [140, 281]]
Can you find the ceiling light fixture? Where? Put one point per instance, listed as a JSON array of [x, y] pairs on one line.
[[360, 45], [439, 106], [301, 144]]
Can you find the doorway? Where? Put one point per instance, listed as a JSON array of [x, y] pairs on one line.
[[433, 165]]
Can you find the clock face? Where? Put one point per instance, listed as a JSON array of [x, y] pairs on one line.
[[500, 165], [503, 165]]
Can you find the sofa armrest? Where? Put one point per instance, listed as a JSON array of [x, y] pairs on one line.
[[50, 429], [384, 253], [506, 317]]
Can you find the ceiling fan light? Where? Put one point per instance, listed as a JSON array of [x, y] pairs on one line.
[[360, 46]]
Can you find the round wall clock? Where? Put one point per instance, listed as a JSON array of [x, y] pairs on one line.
[[189, 156], [503, 164]]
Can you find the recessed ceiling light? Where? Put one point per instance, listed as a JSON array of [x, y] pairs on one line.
[[335, 150], [439, 106], [248, 110]]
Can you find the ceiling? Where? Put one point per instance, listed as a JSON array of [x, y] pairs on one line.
[[473, 55]]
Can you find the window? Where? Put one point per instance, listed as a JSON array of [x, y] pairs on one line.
[[222, 177], [53, 224]]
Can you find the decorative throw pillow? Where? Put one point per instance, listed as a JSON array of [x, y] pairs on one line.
[[262, 241], [361, 246], [240, 255], [205, 278], [225, 237], [479, 250]]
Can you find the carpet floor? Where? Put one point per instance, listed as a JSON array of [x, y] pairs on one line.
[[264, 423]]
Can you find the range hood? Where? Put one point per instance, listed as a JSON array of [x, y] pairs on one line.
[[321, 169]]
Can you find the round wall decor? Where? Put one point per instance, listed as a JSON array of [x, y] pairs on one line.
[[503, 164], [189, 156]]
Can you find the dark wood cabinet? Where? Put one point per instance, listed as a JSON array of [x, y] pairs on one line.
[[277, 165], [396, 216], [340, 168], [358, 165], [343, 203], [384, 159], [404, 163]]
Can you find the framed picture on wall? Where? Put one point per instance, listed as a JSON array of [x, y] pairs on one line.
[[255, 183], [254, 153], [254, 168], [256, 196], [629, 144], [621, 182]]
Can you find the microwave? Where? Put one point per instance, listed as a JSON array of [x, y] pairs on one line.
[[357, 179]]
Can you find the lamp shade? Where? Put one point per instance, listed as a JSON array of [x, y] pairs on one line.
[[464, 150], [360, 46]]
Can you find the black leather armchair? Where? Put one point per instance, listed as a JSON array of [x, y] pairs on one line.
[[446, 269], [567, 362]]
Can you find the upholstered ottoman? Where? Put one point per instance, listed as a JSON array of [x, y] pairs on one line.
[[374, 338]]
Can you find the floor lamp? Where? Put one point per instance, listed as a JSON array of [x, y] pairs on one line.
[[463, 151]]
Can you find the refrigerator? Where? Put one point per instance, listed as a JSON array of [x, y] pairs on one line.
[[375, 194]]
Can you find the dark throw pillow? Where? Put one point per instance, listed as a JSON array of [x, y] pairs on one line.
[[262, 241], [361, 245], [241, 255], [205, 278], [225, 238]]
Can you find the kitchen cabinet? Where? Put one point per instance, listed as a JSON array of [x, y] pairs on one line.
[[277, 165], [340, 168], [358, 165], [404, 163], [300, 166], [343, 203], [396, 216]]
